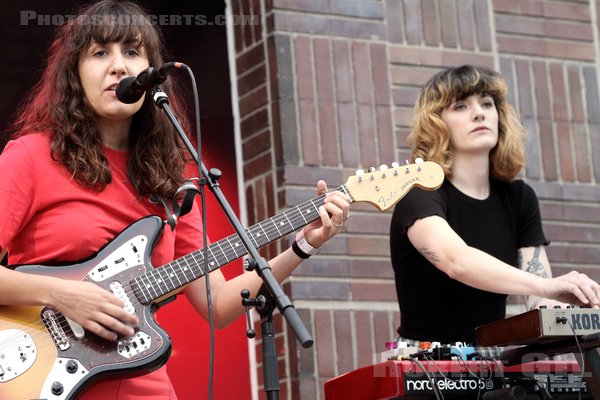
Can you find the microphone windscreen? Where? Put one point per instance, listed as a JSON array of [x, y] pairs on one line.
[[126, 91]]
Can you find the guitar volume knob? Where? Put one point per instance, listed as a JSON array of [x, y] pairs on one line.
[[72, 366], [57, 388]]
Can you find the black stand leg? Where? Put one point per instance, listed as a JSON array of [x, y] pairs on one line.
[[271, 374], [265, 305]]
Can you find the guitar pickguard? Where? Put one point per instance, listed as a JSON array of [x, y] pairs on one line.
[[17, 355], [127, 255]]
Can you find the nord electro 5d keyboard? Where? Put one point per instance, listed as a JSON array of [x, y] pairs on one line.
[[538, 326], [460, 380]]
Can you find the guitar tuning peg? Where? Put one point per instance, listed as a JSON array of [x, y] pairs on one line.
[[395, 164], [371, 170], [360, 173], [419, 161], [383, 168], [406, 162]]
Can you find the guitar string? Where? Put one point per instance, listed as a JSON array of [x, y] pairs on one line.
[[184, 274], [191, 271], [295, 219], [197, 256], [194, 270]]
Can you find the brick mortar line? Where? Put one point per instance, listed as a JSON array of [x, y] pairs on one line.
[[361, 305], [314, 279]]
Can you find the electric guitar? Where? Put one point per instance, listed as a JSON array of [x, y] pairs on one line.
[[44, 355]]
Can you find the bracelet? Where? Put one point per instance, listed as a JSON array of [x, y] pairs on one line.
[[301, 247]]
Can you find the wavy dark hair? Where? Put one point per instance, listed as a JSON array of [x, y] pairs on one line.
[[430, 138], [57, 104]]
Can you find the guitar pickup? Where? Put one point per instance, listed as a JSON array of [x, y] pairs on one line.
[[117, 289]]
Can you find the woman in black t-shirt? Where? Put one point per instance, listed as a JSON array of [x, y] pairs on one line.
[[458, 251]]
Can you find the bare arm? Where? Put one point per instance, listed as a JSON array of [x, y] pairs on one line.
[[535, 261], [226, 298], [437, 241]]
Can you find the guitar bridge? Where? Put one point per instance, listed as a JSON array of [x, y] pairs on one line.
[[55, 329]]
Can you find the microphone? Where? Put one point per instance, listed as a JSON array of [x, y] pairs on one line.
[[131, 90]]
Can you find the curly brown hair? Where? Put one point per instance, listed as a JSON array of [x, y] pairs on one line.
[[429, 137], [57, 104]]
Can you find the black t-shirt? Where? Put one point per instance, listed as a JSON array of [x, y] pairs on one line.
[[434, 307]]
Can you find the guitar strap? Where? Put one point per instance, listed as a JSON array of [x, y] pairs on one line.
[[179, 209]]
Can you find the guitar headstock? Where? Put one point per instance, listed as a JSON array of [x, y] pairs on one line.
[[386, 186]]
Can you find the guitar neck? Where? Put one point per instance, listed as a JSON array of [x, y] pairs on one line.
[[381, 188], [162, 281]]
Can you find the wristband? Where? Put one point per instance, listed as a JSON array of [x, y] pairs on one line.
[[301, 247], [299, 251]]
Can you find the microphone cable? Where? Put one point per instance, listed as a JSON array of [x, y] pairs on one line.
[[211, 362], [201, 184]]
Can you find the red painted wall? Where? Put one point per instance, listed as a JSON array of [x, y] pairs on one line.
[[189, 363]]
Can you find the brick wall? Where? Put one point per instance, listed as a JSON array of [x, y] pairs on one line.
[[327, 86]]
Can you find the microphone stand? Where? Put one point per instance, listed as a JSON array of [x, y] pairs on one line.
[[271, 294]]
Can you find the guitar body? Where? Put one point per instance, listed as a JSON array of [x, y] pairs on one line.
[[45, 356]]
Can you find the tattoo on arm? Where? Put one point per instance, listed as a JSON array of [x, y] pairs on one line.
[[431, 256], [534, 265]]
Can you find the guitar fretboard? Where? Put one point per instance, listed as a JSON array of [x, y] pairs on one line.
[[159, 282]]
